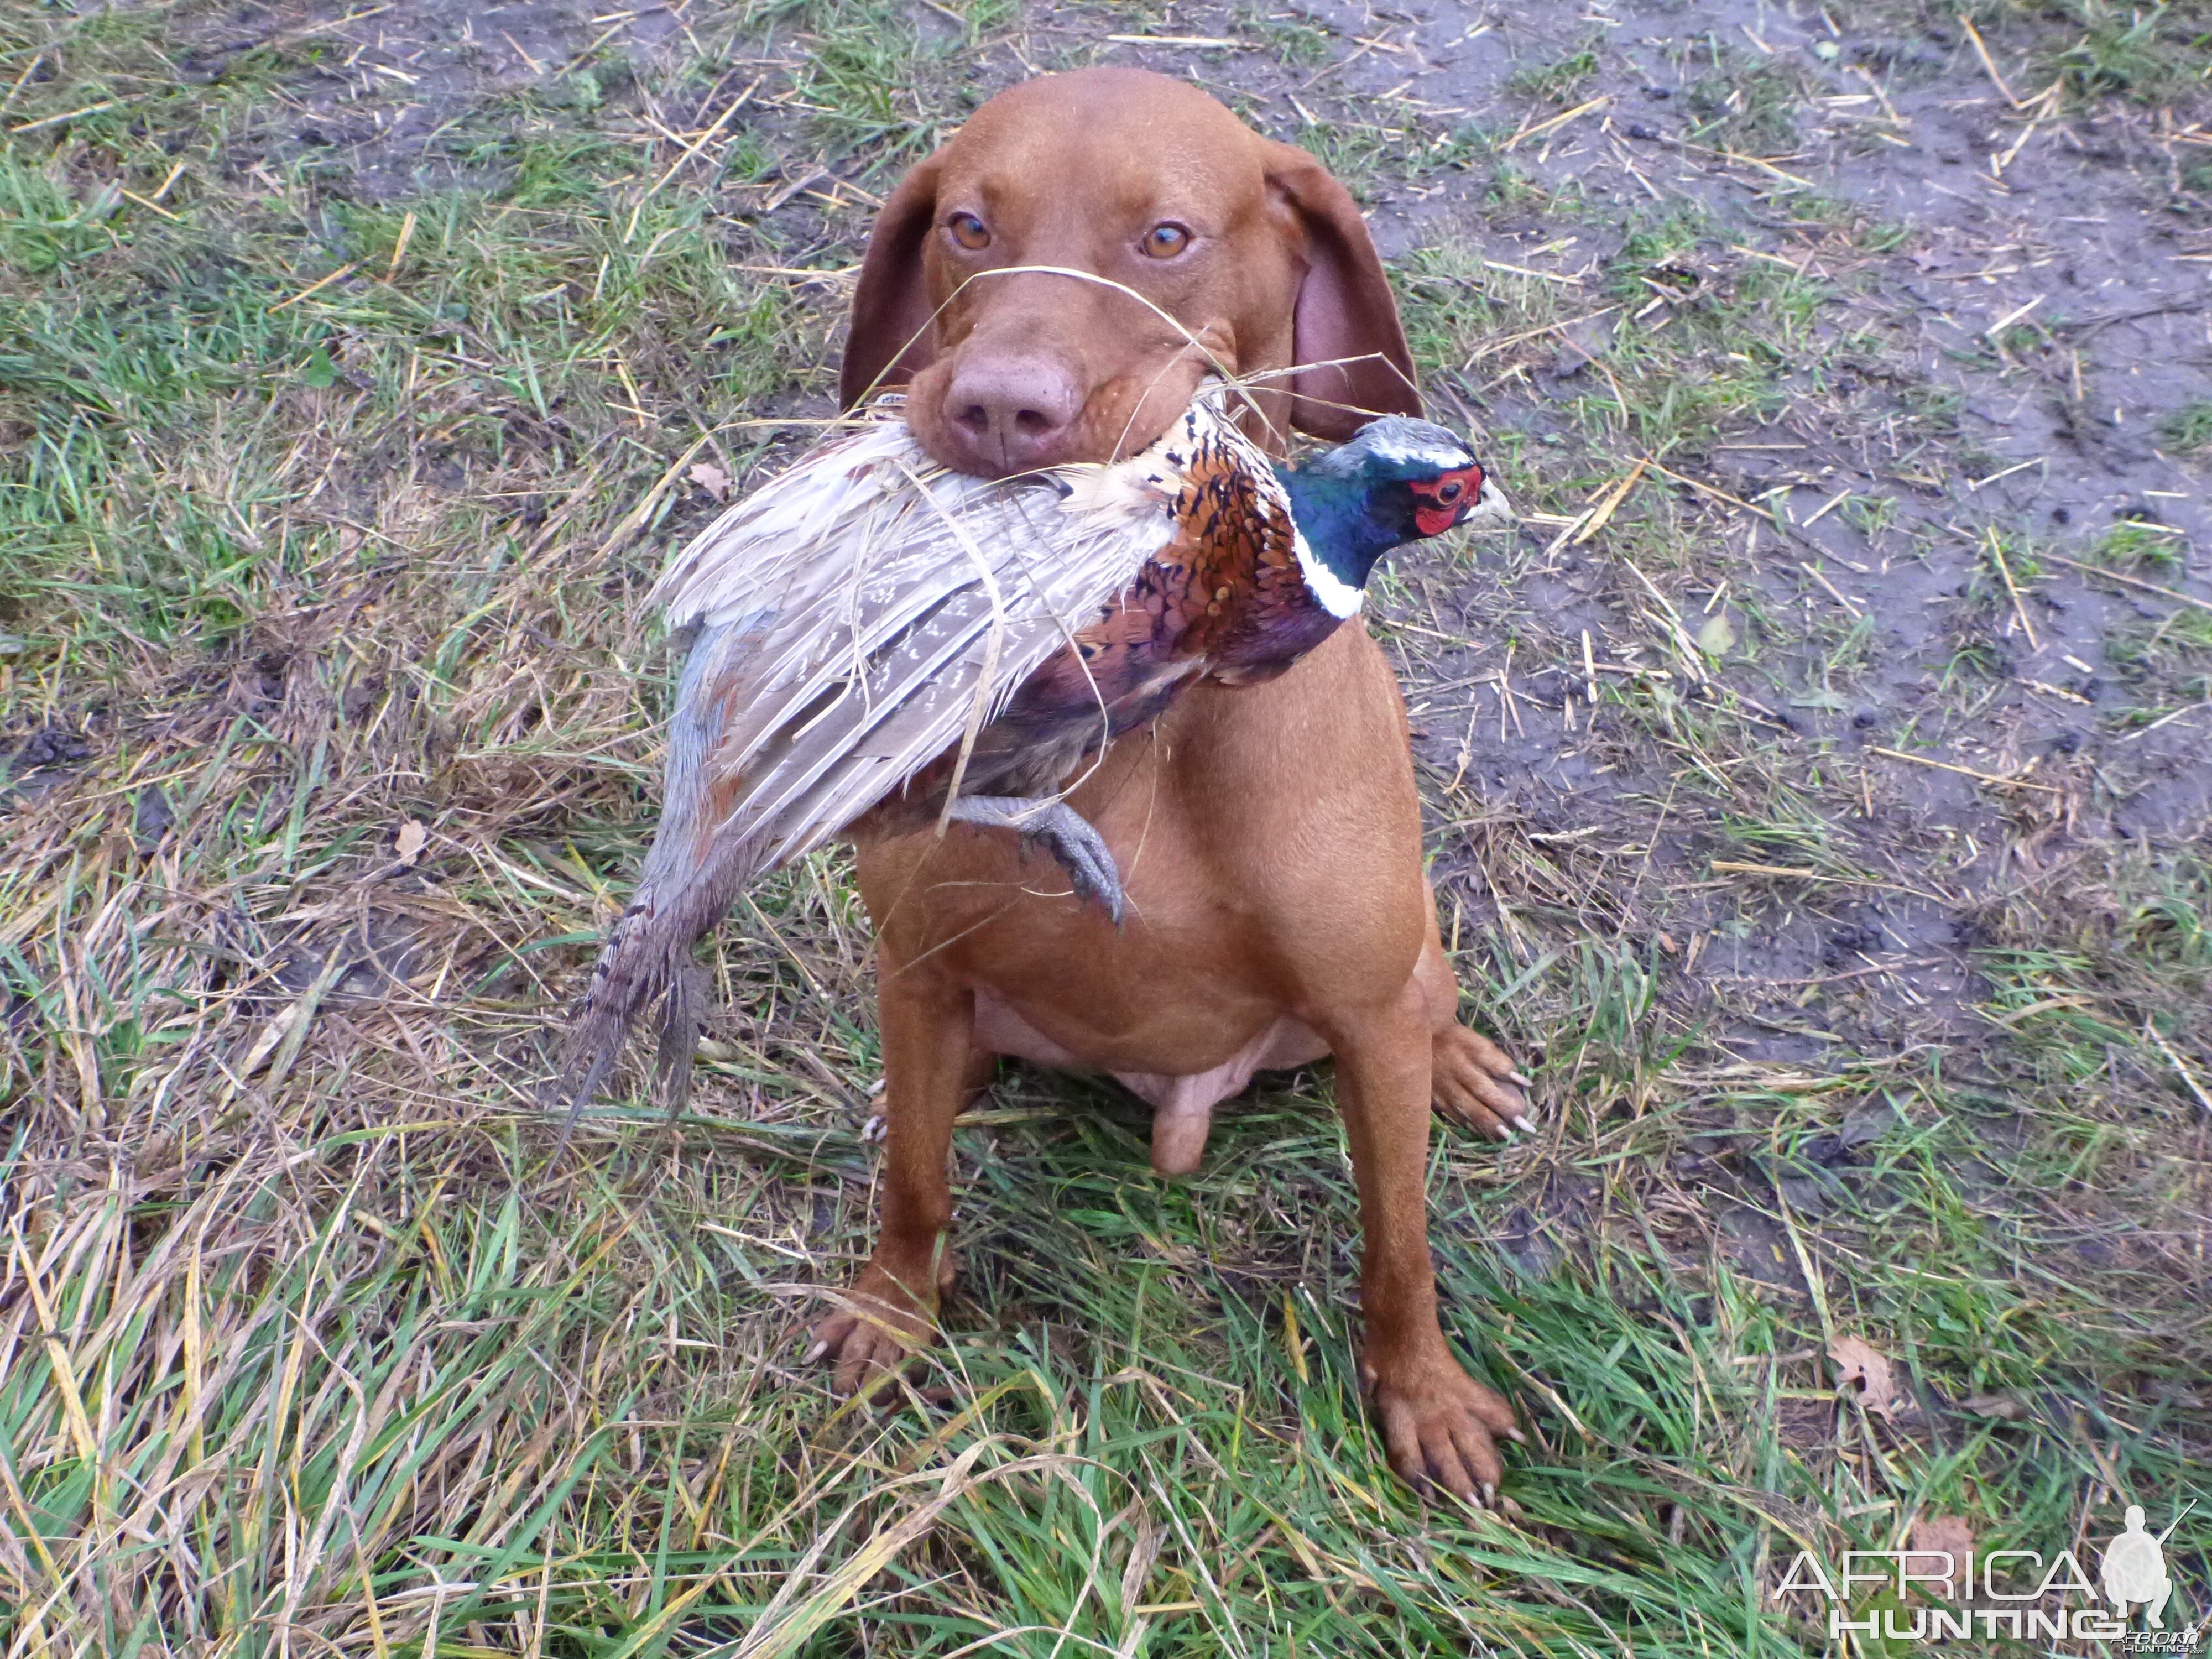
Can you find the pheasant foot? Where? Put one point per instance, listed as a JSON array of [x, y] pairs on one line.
[[1081, 850]]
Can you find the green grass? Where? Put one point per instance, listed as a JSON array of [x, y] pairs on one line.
[[1744, 102], [2132, 545], [2189, 429], [1297, 41], [2148, 54], [303, 1348], [1558, 82]]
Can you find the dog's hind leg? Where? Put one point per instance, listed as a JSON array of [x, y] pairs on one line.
[[1472, 1079]]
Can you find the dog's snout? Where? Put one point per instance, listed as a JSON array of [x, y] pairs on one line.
[[1007, 412]]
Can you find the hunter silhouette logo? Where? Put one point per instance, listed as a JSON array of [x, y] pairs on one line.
[[2135, 1568]]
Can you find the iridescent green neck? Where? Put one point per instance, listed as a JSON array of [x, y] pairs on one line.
[[1336, 508]]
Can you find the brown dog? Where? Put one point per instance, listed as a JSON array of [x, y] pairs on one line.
[[1269, 837]]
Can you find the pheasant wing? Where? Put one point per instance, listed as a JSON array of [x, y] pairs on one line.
[[865, 615]]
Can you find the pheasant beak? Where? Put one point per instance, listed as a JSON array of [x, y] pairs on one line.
[[1491, 511], [1464, 495]]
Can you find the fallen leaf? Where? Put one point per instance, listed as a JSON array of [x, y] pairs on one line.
[[2002, 1406], [1943, 1534], [1717, 637], [413, 838], [712, 479], [1862, 1366]]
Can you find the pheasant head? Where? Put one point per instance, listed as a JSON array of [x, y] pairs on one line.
[[1398, 480]]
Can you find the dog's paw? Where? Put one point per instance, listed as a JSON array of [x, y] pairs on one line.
[[1442, 1427], [868, 1341], [879, 1326], [1475, 1083]]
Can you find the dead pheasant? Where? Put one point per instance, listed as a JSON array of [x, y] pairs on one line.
[[880, 645]]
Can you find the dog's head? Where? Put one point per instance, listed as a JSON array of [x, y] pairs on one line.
[[1216, 246]]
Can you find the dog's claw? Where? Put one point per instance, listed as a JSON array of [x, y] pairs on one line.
[[1064, 833], [1468, 1075]]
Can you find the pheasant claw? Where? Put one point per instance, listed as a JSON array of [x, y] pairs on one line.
[[1064, 833]]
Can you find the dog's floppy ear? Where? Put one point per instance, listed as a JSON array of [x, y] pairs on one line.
[[1346, 317], [891, 337]]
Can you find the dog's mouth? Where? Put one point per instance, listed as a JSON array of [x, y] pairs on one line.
[[994, 415]]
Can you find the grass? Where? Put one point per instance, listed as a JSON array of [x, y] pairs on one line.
[[2150, 54], [1744, 102], [1297, 41], [2189, 429], [1558, 82], [303, 1348]]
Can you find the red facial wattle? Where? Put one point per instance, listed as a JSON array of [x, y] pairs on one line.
[[1443, 500]]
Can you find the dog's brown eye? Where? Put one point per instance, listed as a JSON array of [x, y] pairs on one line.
[[1165, 242], [969, 231]]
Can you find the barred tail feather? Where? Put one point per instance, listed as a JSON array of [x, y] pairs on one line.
[[624, 979], [647, 959], [690, 877]]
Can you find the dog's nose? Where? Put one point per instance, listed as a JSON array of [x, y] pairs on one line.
[[1007, 413]]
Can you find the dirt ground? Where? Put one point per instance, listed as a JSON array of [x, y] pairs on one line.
[[1817, 778]]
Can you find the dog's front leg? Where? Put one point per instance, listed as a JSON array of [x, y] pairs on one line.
[[927, 1022], [1439, 1423]]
